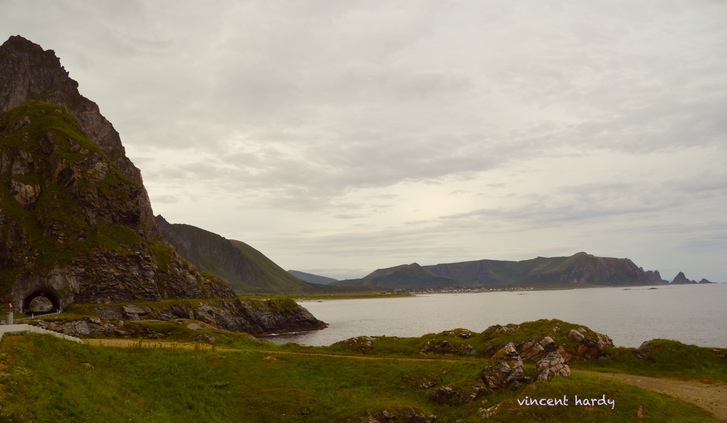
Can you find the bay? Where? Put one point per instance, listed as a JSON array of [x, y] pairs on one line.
[[692, 314]]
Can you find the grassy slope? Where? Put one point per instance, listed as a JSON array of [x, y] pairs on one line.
[[244, 268], [262, 382], [275, 277], [405, 276]]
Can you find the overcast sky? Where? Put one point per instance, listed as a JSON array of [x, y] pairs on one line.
[[338, 137]]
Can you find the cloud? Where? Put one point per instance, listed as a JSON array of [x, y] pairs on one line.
[[414, 130]]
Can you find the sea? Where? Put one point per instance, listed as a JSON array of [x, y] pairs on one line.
[[691, 314]]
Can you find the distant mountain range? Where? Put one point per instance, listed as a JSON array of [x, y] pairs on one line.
[[578, 270], [247, 270], [309, 277]]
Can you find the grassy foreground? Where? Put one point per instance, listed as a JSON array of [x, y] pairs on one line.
[[44, 379]]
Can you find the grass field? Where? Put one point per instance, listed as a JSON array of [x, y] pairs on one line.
[[44, 379]]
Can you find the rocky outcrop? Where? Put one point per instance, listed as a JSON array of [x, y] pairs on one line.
[[250, 316], [654, 276], [359, 344], [507, 370], [455, 396], [588, 347], [542, 337], [447, 347], [534, 349], [392, 415], [552, 365], [680, 278]]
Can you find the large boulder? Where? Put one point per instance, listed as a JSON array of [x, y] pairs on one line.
[[588, 347], [552, 365], [507, 370]]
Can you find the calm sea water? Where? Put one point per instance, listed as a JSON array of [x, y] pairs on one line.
[[692, 314]]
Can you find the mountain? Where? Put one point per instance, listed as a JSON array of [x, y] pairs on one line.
[[681, 279], [71, 223], [73, 209], [76, 224], [309, 277], [27, 72], [577, 270], [244, 268], [406, 276]]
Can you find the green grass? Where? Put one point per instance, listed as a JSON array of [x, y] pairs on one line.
[[263, 382], [668, 359]]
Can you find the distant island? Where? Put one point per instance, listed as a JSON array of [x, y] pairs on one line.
[[579, 270]]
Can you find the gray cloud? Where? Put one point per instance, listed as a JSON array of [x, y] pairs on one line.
[[368, 132]]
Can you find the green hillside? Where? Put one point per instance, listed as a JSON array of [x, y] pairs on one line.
[[244, 268], [406, 276]]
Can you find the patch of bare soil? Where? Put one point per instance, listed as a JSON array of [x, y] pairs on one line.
[[149, 343], [711, 397]]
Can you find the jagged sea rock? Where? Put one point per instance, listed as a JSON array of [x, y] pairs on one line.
[[680, 279]]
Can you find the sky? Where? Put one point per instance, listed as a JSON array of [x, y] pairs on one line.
[[338, 137]]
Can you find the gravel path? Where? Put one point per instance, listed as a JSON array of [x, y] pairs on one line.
[[711, 397]]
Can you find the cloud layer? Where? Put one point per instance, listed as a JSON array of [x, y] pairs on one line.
[[338, 137]]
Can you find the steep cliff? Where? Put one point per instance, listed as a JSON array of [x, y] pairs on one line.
[[70, 221], [27, 72], [76, 225]]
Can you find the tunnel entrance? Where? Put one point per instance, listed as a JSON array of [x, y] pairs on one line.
[[41, 302]]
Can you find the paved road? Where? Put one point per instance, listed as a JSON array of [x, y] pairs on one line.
[[22, 328]]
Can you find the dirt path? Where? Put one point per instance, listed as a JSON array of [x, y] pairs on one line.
[[711, 397], [148, 343]]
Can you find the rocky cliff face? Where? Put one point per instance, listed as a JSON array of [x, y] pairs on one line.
[[27, 72], [76, 225], [75, 219], [71, 223]]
